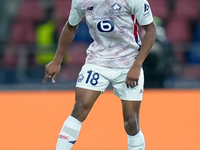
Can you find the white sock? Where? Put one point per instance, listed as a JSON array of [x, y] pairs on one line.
[[68, 134], [136, 142]]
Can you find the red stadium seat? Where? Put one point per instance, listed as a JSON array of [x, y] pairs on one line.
[[191, 72], [62, 7], [177, 30], [10, 56], [31, 10], [187, 9], [22, 33], [159, 8]]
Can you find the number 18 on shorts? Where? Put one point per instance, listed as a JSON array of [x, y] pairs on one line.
[[89, 79], [97, 78]]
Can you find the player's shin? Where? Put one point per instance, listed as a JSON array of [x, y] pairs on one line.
[[68, 134]]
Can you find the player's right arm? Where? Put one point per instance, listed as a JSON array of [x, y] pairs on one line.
[[66, 38]]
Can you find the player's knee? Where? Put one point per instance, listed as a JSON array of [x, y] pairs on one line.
[[81, 110], [131, 122], [131, 125]]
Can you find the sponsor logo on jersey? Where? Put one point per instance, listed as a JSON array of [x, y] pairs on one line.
[[146, 7], [80, 78], [146, 10], [105, 26], [116, 7], [90, 8], [102, 18]]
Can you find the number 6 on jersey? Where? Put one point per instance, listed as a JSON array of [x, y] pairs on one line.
[[105, 26]]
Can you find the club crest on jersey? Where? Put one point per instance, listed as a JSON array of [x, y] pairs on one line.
[[116, 8], [80, 78]]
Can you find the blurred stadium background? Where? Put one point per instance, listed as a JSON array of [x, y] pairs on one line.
[[29, 32]]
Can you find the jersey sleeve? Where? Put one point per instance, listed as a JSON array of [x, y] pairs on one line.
[[76, 13], [142, 11]]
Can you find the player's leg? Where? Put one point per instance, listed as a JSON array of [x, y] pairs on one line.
[[131, 101], [89, 86], [131, 111], [131, 116], [84, 101]]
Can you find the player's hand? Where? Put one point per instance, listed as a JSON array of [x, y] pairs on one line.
[[51, 69], [133, 76]]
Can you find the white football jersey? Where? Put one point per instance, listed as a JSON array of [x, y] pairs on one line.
[[112, 26]]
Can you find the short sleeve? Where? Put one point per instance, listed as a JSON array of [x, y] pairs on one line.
[[142, 11], [76, 13]]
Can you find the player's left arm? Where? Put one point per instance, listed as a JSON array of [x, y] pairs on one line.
[[147, 43]]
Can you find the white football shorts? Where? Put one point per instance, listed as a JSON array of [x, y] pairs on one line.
[[97, 78]]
